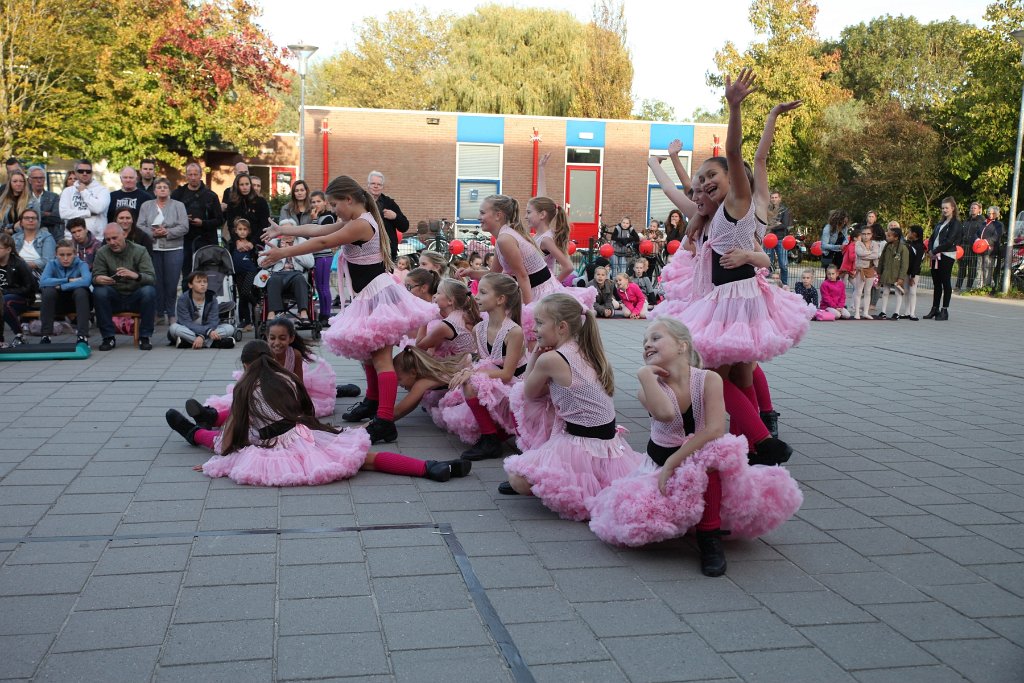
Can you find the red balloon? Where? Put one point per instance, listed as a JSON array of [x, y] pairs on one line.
[[959, 252], [456, 247], [398, 236], [494, 240], [816, 248], [606, 250], [771, 240], [672, 247], [980, 246], [788, 242], [570, 248], [926, 244], [646, 247]]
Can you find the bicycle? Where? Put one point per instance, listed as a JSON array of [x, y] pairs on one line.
[[443, 232]]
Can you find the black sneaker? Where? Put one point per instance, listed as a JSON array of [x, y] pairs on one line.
[[382, 431], [505, 489], [360, 411], [770, 451], [712, 554], [910, 317], [223, 343], [44, 340], [447, 469], [144, 344], [347, 391], [770, 418], [82, 340], [182, 425], [880, 316], [486, 447], [205, 416], [108, 344]]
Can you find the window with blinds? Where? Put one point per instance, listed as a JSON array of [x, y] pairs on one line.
[[659, 205], [478, 175]]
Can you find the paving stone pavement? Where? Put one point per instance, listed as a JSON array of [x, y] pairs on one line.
[[906, 562]]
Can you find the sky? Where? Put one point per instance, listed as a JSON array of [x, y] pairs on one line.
[[672, 44]]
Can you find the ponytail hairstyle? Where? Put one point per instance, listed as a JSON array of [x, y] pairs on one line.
[[509, 208], [681, 333], [281, 398], [557, 218], [344, 187], [423, 365], [459, 293], [583, 330], [438, 261], [421, 276], [506, 286], [298, 343]]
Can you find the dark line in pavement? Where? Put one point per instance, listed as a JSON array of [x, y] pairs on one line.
[[520, 672]]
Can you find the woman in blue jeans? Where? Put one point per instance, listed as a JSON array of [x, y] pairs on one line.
[[166, 221]]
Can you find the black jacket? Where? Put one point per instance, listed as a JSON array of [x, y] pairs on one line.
[[916, 250], [972, 228], [256, 211], [203, 204], [950, 238], [16, 278], [119, 199], [399, 224]]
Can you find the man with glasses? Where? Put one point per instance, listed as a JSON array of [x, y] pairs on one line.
[[45, 202], [123, 280], [87, 199]]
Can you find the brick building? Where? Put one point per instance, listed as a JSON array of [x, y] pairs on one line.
[[441, 165]]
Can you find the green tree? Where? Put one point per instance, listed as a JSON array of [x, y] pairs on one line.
[[702, 115], [656, 110], [606, 81]]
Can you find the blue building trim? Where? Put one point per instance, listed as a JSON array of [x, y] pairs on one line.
[[593, 133], [664, 133], [458, 197], [481, 129]]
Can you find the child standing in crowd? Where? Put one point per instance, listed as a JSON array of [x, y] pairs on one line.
[[382, 312], [833, 294], [586, 452], [893, 266], [605, 303], [915, 254], [402, 267], [866, 267], [243, 256], [806, 289], [846, 267], [485, 387], [18, 286], [320, 214], [694, 473], [197, 318], [451, 335], [270, 437], [65, 286], [634, 303]]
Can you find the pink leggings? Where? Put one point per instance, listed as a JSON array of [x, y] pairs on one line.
[[206, 437]]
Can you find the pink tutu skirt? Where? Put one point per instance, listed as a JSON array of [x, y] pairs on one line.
[[585, 295], [379, 316], [301, 457], [755, 499], [677, 275], [744, 321], [318, 377], [453, 414], [536, 418], [568, 471]]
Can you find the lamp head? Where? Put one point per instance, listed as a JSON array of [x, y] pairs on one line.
[[303, 52]]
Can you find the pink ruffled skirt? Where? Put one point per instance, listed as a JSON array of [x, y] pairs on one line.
[[453, 414], [744, 321], [755, 499], [301, 457], [568, 471], [318, 377], [536, 418], [585, 295], [677, 276], [379, 316]]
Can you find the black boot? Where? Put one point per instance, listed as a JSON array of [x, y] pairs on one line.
[[932, 313], [182, 425], [770, 451], [486, 447], [204, 416], [712, 555], [770, 418], [364, 409], [447, 469], [382, 431], [505, 489], [943, 314], [347, 391]]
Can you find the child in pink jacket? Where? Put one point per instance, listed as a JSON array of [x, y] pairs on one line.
[[633, 300], [833, 294]]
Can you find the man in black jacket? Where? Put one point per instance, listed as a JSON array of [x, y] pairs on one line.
[[204, 216], [46, 202], [967, 266], [394, 220]]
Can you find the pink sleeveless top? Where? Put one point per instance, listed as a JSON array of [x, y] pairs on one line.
[[673, 434], [725, 235], [496, 352], [583, 402], [549, 259], [533, 260], [462, 343], [290, 358], [367, 253]]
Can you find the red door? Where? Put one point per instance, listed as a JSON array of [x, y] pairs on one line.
[[583, 199]]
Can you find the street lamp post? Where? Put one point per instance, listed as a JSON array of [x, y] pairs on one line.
[[303, 52], [1018, 35]]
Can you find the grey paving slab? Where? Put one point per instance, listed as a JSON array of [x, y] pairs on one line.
[[130, 664], [866, 646], [219, 642], [105, 629], [335, 655], [673, 657], [450, 664], [784, 666], [225, 603], [222, 672]]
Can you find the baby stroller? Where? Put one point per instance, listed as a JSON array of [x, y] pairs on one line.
[[292, 308], [216, 262]]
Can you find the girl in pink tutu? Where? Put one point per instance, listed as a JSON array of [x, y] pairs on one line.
[[382, 311], [271, 438], [695, 474], [586, 452], [426, 379], [293, 354], [551, 225], [477, 407], [452, 335]]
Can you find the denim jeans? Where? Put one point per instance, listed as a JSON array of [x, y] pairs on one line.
[[781, 254], [167, 265], [109, 301]]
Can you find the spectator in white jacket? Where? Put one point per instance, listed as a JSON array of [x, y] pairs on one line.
[[289, 275], [87, 199]]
